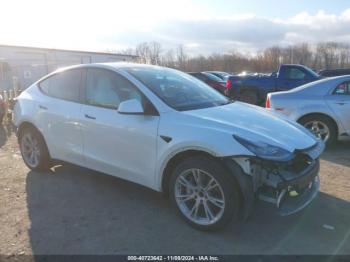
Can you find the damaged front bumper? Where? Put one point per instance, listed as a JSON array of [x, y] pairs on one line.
[[294, 204], [293, 194], [290, 185]]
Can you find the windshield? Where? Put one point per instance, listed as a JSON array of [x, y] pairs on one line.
[[212, 77], [178, 90], [222, 73], [313, 73]]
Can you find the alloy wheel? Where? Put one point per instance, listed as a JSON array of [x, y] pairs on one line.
[[319, 129], [30, 150], [199, 196]]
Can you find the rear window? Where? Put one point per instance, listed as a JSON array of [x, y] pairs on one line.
[[65, 85], [295, 74], [212, 77], [342, 89]]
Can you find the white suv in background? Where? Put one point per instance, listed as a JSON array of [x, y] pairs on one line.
[[168, 131]]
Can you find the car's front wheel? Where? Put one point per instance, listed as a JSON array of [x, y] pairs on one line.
[[203, 192], [33, 149]]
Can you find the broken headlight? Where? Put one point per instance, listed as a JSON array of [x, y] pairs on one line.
[[264, 150]]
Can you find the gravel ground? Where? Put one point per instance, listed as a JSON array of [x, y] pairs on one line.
[[72, 210]]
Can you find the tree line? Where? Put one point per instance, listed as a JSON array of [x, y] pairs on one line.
[[326, 55]]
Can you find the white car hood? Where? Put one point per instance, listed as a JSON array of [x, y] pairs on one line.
[[256, 124]]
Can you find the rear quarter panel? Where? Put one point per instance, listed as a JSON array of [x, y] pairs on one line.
[[298, 106], [24, 109]]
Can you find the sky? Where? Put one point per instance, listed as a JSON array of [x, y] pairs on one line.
[[201, 26]]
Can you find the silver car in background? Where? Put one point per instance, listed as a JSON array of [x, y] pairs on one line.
[[323, 107]]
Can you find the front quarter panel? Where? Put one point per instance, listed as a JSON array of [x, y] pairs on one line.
[[193, 134]]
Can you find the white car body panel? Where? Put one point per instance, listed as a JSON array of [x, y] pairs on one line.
[[315, 97], [62, 132], [130, 146], [341, 111], [120, 144], [216, 127]]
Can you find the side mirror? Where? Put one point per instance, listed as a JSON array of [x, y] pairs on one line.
[[131, 107]]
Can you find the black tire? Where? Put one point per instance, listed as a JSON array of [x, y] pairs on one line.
[[228, 185], [333, 134], [44, 163], [249, 97]]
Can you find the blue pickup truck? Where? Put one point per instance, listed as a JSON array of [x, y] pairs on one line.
[[254, 88]]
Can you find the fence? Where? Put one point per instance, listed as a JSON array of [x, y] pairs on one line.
[[9, 101], [8, 95]]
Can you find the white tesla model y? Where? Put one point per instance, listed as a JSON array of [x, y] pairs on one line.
[[168, 131]]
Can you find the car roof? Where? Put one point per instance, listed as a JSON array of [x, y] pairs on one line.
[[323, 86], [110, 65], [113, 65], [216, 72], [119, 65], [335, 69]]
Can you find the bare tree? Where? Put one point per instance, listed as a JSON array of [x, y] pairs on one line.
[[344, 55], [155, 50], [168, 59], [181, 58], [143, 51], [319, 56], [128, 51]]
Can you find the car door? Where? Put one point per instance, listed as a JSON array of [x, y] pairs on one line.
[[122, 145], [293, 77], [58, 114], [339, 101]]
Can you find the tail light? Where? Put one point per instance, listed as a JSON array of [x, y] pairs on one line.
[[228, 84], [267, 105]]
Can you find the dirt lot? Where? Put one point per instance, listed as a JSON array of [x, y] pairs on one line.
[[72, 210]]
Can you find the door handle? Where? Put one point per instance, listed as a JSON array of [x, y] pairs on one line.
[[340, 103], [43, 107], [90, 117]]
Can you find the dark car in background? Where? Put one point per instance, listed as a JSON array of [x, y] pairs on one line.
[[334, 72], [211, 80], [254, 88], [222, 75]]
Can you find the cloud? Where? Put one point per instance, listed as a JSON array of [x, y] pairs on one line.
[[117, 24], [244, 33]]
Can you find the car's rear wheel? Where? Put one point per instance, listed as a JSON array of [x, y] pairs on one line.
[[322, 127], [33, 149], [204, 193], [249, 97]]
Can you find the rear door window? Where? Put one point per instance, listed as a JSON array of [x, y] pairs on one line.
[[295, 74], [65, 85], [342, 89], [212, 77]]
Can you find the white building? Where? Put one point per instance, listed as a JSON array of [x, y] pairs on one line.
[[21, 66]]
